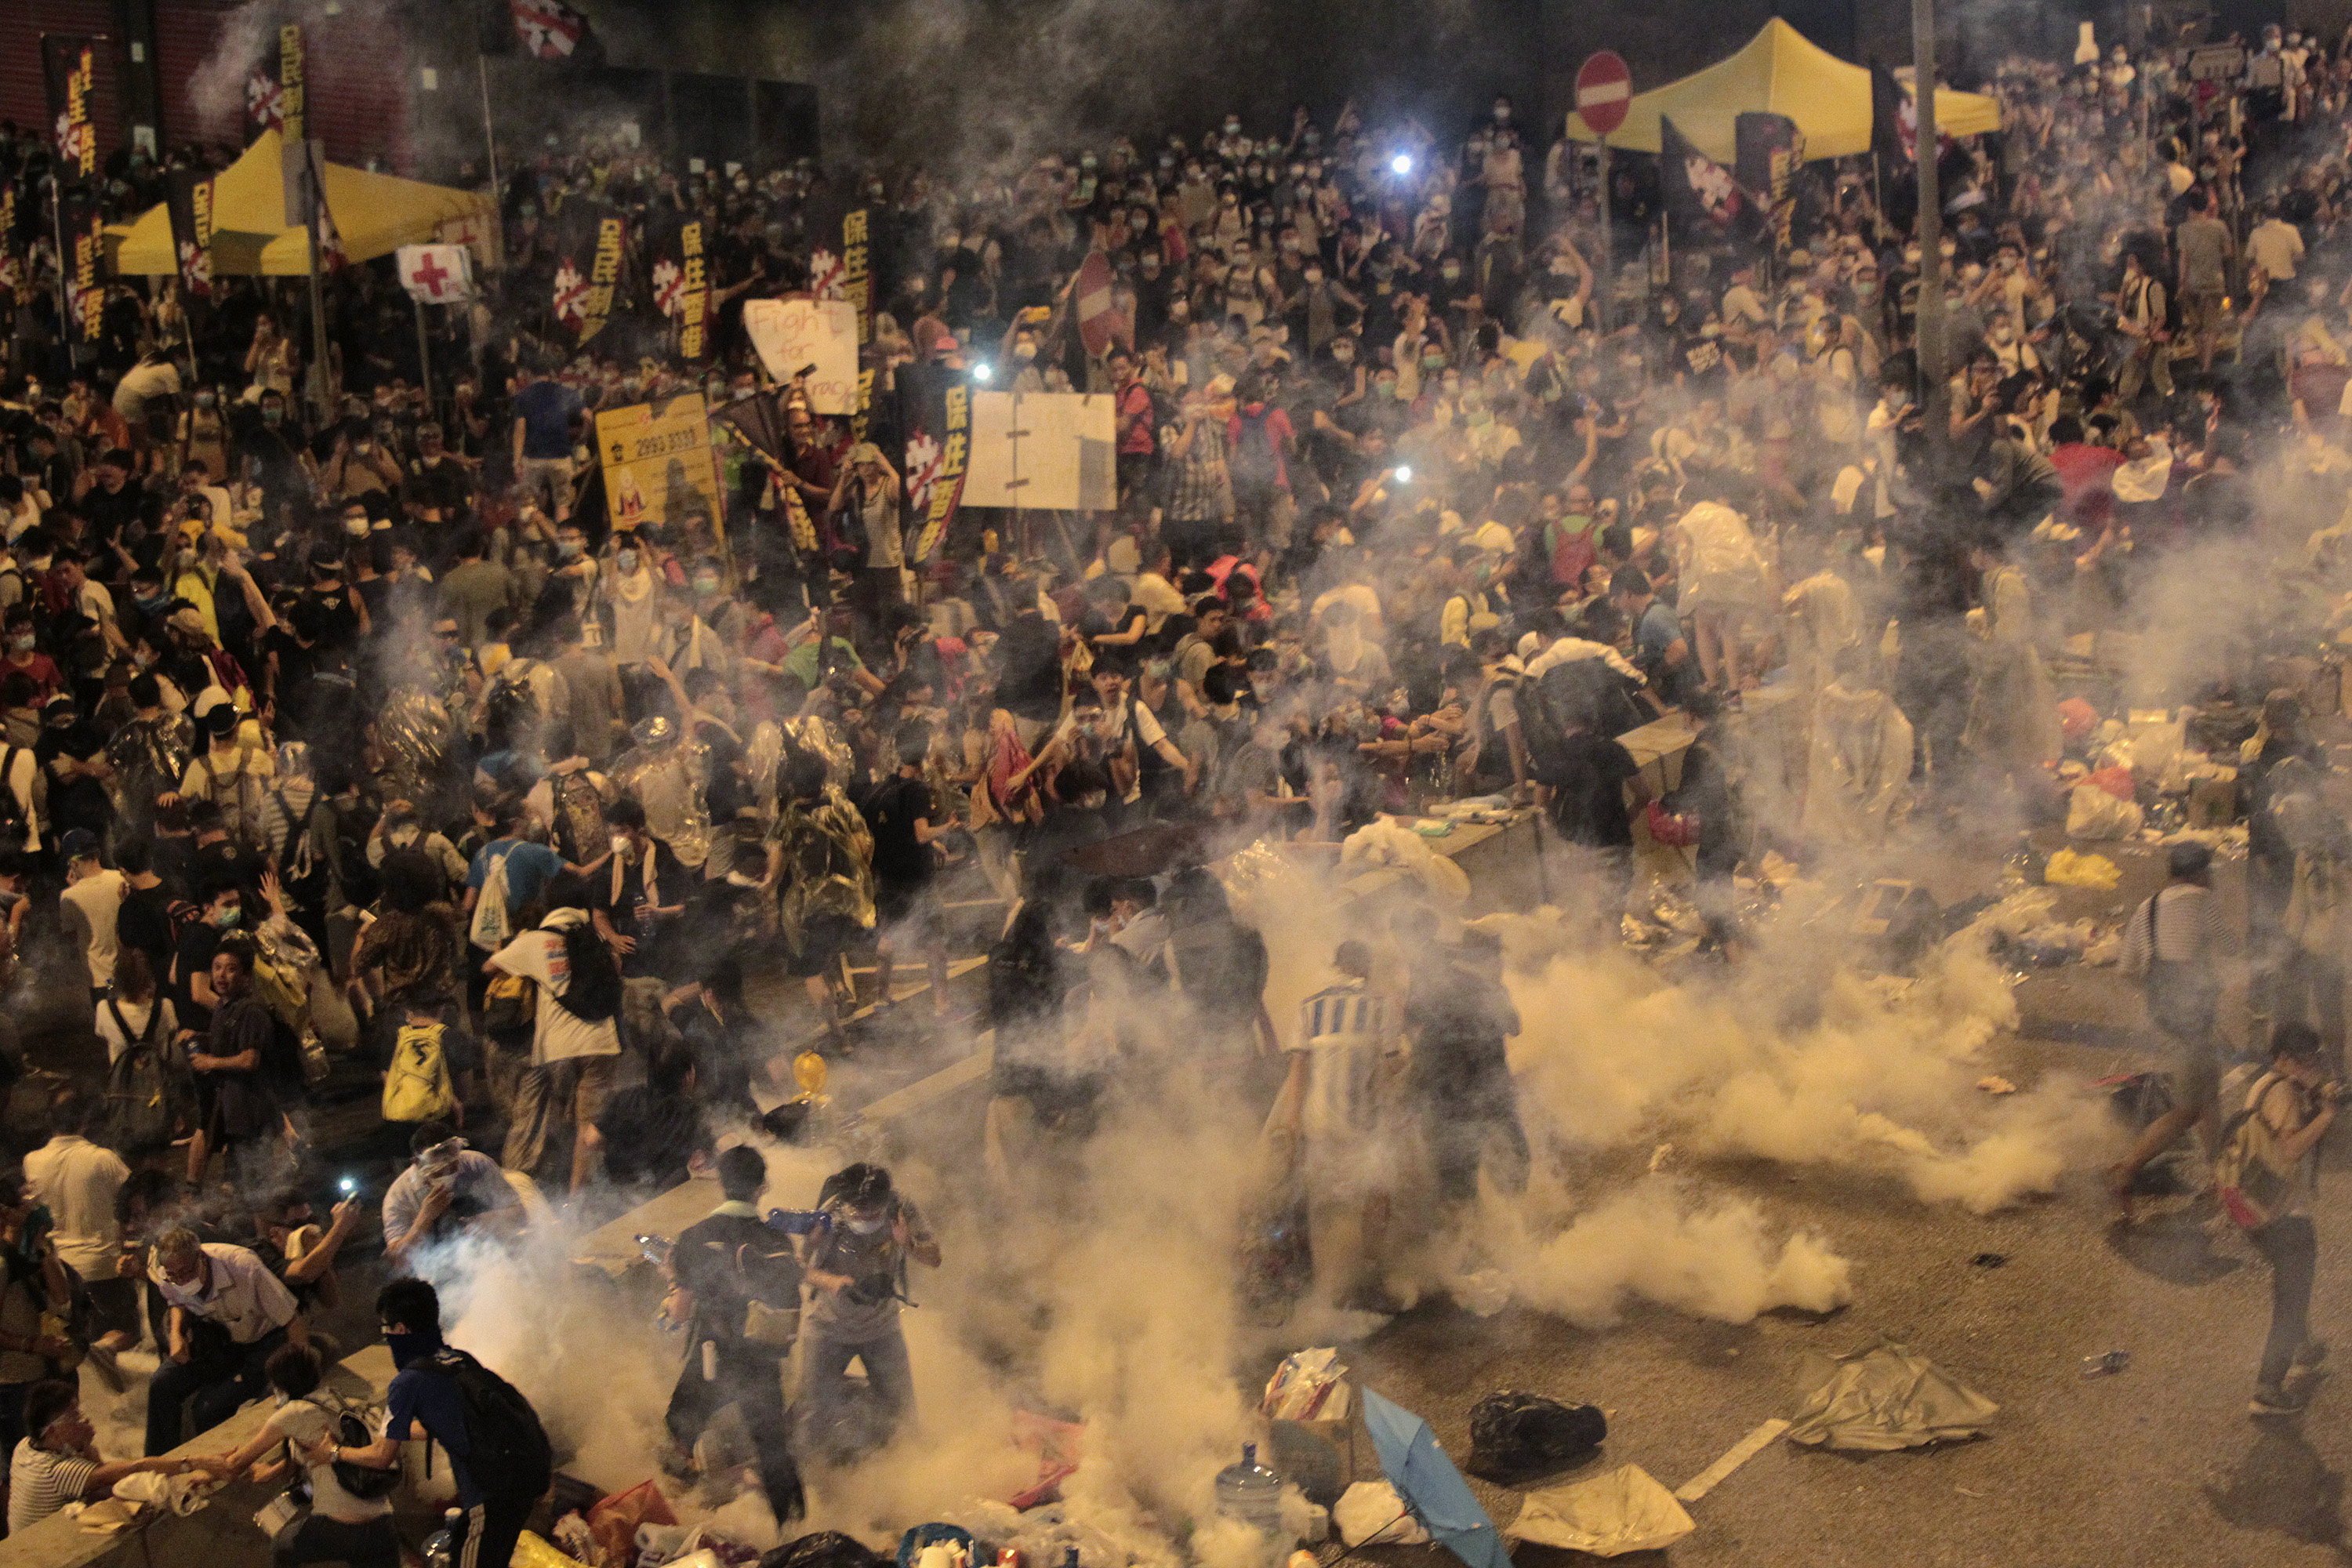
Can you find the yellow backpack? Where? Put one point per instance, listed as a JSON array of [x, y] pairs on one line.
[[416, 1087]]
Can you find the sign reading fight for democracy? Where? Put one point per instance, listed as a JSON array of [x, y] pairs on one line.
[[793, 334], [658, 466]]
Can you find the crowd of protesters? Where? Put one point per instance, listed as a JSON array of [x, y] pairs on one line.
[[342, 717]]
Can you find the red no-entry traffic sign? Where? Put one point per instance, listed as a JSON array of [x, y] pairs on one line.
[[1604, 89]]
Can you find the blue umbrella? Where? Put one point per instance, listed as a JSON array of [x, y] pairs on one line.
[[1429, 1485]]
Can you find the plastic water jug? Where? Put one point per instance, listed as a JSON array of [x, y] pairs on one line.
[[1252, 1493], [441, 1546]]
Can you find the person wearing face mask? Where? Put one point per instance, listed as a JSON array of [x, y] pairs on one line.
[[337, 1526], [448, 1191], [204, 433], [856, 1271], [639, 899], [229, 772], [575, 1036], [1320, 310], [427, 1399], [865, 513]]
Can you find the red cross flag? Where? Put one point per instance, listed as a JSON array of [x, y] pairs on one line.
[[548, 28], [436, 274]]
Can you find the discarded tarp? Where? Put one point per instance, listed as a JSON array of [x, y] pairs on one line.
[[1884, 1398], [1624, 1511]]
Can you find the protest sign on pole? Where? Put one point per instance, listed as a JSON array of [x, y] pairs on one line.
[[659, 467], [791, 334]]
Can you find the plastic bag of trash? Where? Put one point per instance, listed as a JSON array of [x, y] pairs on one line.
[[1625, 1511], [2094, 813], [530, 1552], [1482, 1292], [1369, 1513], [1887, 1396], [825, 1549], [1515, 1437], [2069, 870], [614, 1521]]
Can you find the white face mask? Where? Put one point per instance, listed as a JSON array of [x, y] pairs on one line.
[[621, 844], [866, 1226]]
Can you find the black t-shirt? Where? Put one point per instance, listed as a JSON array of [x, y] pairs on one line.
[[648, 1139], [891, 810], [342, 628], [144, 922], [1461, 1022], [110, 515], [1588, 800], [672, 886], [195, 956]]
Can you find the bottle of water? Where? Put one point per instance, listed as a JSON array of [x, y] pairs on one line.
[[441, 1546], [1252, 1493]]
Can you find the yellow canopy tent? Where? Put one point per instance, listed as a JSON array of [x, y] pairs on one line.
[[373, 216], [1780, 72]]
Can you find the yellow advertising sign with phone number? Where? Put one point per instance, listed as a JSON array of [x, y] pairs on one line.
[[659, 469]]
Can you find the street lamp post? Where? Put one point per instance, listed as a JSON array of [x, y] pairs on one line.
[[1930, 322]]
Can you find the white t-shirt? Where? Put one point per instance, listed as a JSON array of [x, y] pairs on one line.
[[98, 896], [77, 1179], [561, 1035], [135, 1014], [303, 1424]]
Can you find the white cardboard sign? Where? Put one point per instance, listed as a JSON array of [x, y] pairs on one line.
[[791, 333]]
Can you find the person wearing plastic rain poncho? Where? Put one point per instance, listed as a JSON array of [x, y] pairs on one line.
[[1724, 587], [665, 772], [2013, 721], [1858, 762]]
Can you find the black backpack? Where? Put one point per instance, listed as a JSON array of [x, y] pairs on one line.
[[511, 1455], [12, 810], [364, 1482], [592, 994], [141, 1109]]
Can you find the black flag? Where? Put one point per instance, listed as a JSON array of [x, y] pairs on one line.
[[1770, 151], [84, 222], [586, 248], [1705, 206], [188, 199], [680, 279], [68, 67]]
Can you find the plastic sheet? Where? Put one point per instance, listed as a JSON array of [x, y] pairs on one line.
[[1886, 1396], [1624, 1511]]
